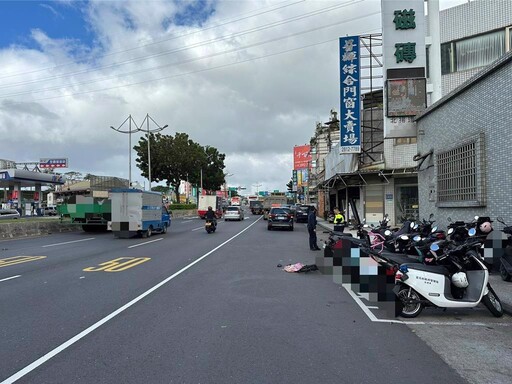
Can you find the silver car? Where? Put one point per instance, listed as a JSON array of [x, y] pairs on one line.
[[6, 214], [234, 213]]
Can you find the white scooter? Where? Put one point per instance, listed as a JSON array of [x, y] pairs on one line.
[[418, 285]]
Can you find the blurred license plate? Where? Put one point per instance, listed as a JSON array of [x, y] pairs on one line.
[[281, 217]]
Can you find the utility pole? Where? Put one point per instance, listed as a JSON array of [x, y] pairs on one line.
[[148, 132], [257, 188], [129, 132]]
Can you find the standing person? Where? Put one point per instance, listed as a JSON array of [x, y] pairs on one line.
[[312, 229], [339, 220]]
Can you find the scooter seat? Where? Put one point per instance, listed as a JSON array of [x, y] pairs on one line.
[[398, 258], [431, 268]]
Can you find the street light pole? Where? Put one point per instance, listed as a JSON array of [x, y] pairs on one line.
[[129, 132], [148, 133]]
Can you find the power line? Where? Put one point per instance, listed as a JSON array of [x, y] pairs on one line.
[[196, 45], [187, 61], [221, 24], [197, 71]]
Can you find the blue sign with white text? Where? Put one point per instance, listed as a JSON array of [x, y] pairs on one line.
[[350, 95]]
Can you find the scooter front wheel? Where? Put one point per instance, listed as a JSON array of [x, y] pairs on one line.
[[505, 276], [410, 299], [493, 303]]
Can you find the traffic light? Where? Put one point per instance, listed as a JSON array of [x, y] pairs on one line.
[[290, 186]]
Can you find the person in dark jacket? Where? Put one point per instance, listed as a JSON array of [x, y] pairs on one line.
[[312, 229], [210, 215]]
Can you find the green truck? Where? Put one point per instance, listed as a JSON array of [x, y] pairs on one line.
[[87, 202]]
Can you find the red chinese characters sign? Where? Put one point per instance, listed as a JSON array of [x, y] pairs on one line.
[[301, 157]]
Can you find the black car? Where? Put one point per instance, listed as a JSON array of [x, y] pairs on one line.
[[280, 218], [301, 213]]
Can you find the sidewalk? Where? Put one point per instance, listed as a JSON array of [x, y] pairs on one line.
[[502, 288]]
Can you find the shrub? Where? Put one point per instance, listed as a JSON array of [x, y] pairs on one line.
[[177, 207]]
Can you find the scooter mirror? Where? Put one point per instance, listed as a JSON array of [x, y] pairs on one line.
[[404, 237], [412, 224], [449, 219], [476, 218], [434, 247], [417, 238], [431, 216], [434, 229], [472, 232], [387, 233], [500, 219], [450, 231]]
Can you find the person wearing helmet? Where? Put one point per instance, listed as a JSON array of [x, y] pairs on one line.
[[210, 215]]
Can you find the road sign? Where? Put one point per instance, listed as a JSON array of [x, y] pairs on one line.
[[53, 163]]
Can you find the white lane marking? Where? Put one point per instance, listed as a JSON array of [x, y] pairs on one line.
[[146, 242], [197, 229], [68, 242], [43, 359], [10, 278], [373, 318], [187, 221]]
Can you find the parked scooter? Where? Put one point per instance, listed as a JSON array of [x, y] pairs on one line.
[[210, 226], [506, 258], [462, 284]]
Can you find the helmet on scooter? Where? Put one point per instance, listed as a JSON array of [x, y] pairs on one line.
[[485, 227], [460, 280]]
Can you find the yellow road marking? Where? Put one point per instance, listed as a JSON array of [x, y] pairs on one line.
[[117, 266], [18, 260]]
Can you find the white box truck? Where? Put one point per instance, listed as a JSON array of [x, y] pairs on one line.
[[206, 201], [136, 212]]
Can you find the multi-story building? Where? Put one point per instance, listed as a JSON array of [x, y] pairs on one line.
[[385, 181]]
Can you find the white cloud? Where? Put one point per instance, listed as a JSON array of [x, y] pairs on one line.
[[254, 112]]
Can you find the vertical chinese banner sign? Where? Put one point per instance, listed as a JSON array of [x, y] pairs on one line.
[[350, 95]]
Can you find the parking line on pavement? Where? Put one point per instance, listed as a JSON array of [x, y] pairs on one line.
[[68, 242], [375, 319], [43, 359]]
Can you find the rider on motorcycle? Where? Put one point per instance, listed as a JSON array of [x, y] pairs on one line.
[[210, 215]]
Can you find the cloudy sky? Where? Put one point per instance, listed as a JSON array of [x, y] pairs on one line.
[[250, 78]]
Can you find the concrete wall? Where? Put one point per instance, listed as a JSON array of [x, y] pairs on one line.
[[27, 228], [22, 228], [485, 107]]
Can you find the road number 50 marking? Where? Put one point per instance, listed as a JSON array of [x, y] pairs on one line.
[[117, 265]]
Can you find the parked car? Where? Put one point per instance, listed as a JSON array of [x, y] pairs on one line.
[[301, 213], [49, 211], [279, 217], [6, 214], [234, 213]]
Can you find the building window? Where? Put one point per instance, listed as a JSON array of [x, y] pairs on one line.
[[480, 50], [405, 140], [447, 58], [460, 175]]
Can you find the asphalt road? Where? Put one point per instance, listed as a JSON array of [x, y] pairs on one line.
[[188, 307]]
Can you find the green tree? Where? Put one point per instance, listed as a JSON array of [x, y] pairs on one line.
[[213, 169], [178, 158]]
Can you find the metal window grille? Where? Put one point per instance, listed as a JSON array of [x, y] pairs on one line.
[[457, 174]]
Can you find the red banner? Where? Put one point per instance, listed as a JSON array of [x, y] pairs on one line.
[[301, 157], [36, 196]]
